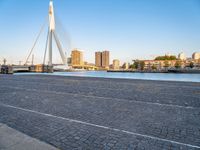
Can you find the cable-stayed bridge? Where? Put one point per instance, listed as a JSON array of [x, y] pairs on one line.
[[52, 24], [52, 36]]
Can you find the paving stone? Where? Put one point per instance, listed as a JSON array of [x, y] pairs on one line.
[[106, 112]]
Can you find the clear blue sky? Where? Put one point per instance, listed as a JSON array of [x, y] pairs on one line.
[[130, 29]]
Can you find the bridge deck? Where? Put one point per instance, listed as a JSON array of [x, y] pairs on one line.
[[21, 68], [94, 113]]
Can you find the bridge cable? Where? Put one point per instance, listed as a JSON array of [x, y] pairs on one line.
[[59, 46], [41, 30], [47, 41], [63, 34]]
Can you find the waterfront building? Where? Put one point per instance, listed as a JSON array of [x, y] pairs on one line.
[[98, 59], [105, 59], [76, 58], [182, 56], [196, 56], [158, 64], [102, 59], [116, 64]]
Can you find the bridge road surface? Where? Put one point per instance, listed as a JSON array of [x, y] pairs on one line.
[[96, 113]]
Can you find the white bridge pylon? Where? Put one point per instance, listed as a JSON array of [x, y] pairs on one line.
[[51, 34], [49, 42]]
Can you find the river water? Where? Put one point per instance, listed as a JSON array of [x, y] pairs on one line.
[[143, 76]]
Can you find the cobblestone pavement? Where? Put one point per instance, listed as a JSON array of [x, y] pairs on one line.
[[95, 113]]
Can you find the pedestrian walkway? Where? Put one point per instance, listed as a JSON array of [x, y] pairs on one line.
[[99, 114], [11, 139]]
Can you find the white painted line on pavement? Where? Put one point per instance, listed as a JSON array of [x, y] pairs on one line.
[[93, 96], [100, 126]]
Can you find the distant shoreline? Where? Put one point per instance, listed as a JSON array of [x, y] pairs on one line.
[[195, 71]]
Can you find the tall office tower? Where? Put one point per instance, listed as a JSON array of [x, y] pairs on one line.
[[98, 59], [76, 57], [105, 59], [102, 59]]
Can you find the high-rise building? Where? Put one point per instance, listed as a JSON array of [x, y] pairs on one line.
[[76, 57], [116, 64], [102, 59], [105, 59], [98, 59]]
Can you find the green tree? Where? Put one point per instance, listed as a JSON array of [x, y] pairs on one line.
[[166, 64], [166, 57], [142, 65], [154, 67], [135, 64], [178, 64], [172, 57], [132, 66]]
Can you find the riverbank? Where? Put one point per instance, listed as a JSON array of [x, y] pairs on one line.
[[185, 71], [138, 71]]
